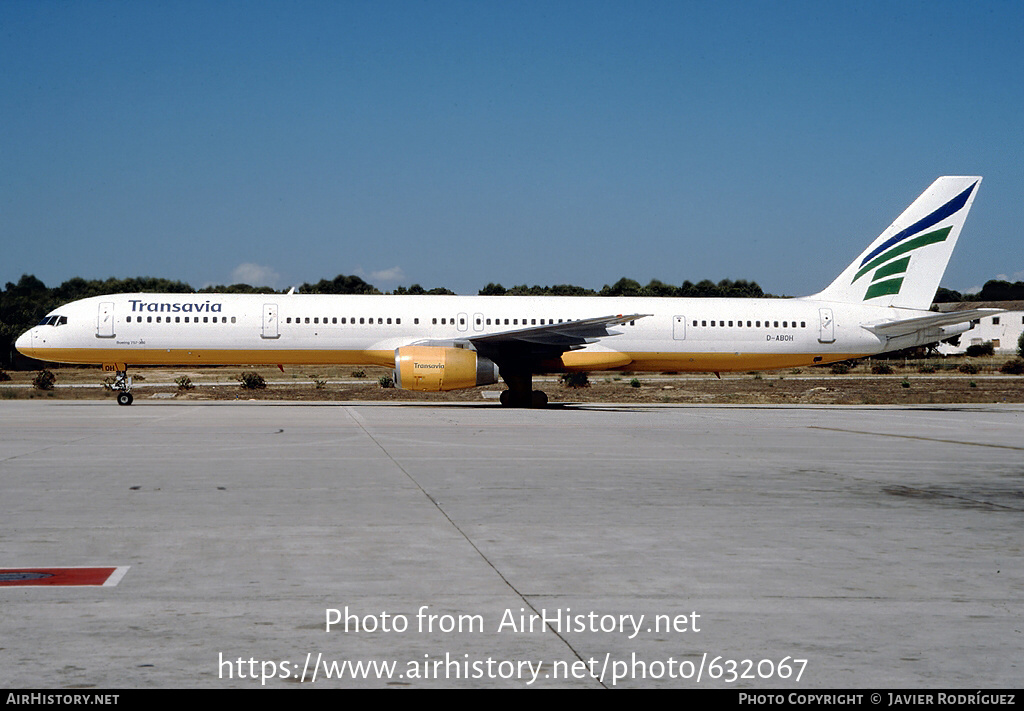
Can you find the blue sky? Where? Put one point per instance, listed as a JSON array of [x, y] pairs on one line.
[[458, 143]]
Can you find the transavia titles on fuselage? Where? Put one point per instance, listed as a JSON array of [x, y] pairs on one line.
[[879, 303]]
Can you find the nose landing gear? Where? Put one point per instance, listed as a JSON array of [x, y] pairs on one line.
[[123, 385]]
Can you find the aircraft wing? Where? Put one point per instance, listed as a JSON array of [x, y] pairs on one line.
[[907, 326], [555, 336]]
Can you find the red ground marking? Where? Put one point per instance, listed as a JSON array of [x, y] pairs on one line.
[[54, 576]]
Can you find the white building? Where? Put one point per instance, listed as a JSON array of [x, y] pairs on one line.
[[1001, 329]]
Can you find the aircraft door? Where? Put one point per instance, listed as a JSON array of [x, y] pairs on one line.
[[105, 320], [679, 328], [463, 322], [827, 332], [270, 321], [478, 322]]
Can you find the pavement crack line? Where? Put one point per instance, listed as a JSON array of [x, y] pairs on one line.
[[918, 437], [361, 423]]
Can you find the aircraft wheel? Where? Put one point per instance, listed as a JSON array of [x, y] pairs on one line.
[[124, 398], [504, 399], [539, 399]]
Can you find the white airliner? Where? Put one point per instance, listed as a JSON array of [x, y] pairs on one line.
[[879, 303]]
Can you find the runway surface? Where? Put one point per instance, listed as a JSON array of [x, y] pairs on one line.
[[869, 547]]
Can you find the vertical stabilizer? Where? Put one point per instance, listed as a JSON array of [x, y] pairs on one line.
[[902, 268]]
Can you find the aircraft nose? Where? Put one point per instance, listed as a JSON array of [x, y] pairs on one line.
[[24, 341]]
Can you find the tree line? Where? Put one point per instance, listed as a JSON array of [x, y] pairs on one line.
[[994, 290]]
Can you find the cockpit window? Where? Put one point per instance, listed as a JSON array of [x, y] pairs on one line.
[[54, 321]]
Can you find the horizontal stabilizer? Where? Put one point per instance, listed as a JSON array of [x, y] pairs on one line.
[[907, 326]]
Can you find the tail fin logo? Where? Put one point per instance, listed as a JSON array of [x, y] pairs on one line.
[[888, 261]]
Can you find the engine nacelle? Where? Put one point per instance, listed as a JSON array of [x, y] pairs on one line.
[[434, 368]]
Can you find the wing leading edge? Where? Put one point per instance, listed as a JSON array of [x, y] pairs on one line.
[[559, 336]]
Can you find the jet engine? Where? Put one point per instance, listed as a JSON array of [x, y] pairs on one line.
[[434, 368]]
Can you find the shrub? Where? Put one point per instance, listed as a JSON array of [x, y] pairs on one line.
[[184, 383], [575, 380], [882, 369], [386, 381], [980, 349], [252, 381], [358, 373], [969, 368], [840, 369], [4, 377], [318, 382], [1013, 367], [634, 383], [926, 369], [44, 380], [905, 383]]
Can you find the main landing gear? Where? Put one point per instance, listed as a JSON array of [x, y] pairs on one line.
[[123, 385], [520, 391]]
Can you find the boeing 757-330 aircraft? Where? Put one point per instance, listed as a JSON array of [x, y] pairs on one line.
[[879, 303]]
